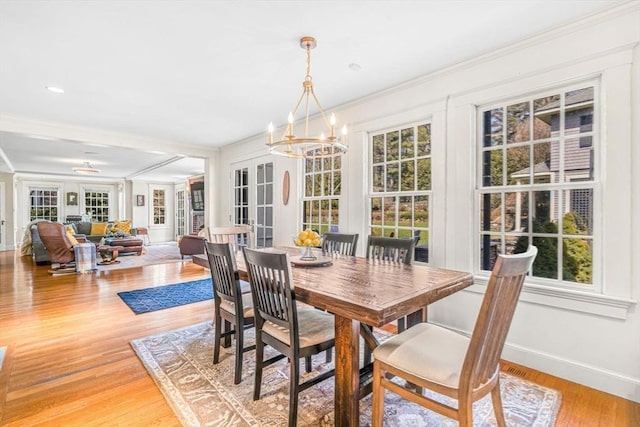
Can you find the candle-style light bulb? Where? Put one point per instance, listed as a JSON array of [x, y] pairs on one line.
[[332, 128], [290, 125], [321, 135], [344, 130], [270, 133]]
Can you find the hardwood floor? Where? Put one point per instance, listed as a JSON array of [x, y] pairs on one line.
[[69, 362]]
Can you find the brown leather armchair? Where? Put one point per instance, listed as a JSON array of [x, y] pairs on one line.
[[55, 240], [191, 245]]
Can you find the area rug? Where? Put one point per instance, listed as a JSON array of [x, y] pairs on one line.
[[200, 393], [160, 253], [167, 296]]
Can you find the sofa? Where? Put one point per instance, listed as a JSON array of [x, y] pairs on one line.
[[92, 231]]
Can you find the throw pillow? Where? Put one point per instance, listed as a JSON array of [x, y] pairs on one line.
[[98, 228], [72, 238], [124, 226]]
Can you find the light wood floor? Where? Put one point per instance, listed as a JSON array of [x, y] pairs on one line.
[[69, 362]]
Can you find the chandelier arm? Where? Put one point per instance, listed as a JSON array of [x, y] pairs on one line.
[[320, 109]]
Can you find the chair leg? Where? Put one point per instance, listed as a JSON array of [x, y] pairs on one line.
[[307, 364], [465, 413], [329, 356], [259, 361], [239, 346], [216, 338], [294, 388], [378, 398], [497, 404]]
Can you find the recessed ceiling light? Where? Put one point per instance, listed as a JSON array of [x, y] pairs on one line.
[[54, 89]]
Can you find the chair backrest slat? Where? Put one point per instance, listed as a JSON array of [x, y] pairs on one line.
[[224, 274], [494, 318], [238, 236], [390, 249], [340, 243], [272, 287]]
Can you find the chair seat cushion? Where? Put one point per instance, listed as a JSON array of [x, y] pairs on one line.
[[427, 351], [314, 327], [247, 306]]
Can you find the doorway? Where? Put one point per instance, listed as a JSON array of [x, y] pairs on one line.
[[252, 195]]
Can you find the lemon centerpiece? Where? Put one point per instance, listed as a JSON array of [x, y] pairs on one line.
[[307, 239]]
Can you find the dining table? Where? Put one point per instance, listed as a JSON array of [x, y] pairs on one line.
[[360, 291]]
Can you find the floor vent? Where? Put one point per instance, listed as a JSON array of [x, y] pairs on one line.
[[517, 372]]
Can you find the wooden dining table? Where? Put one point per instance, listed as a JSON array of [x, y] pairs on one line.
[[362, 291]]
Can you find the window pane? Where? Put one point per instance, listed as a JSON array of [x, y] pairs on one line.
[[268, 190], [546, 262], [581, 209], [516, 211], [335, 211], [518, 165], [337, 183], [378, 148], [577, 260], [260, 194], [389, 217], [491, 212], [546, 116], [260, 174], [376, 211], [578, 108], [578, 160], [424, 140], [407, 149], [421, 212], [490, 247], [308, 185], [392, 145], [424, 174], [492, 168], [392, 177], [326, 178], [407, 176], [405, 211], [518, 123], [324, 211], [378, 178], [493, 128], [317, 184]]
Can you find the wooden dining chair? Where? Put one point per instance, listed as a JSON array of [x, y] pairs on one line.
[[231, 305], [238, 236], [340, 243], [295, 330], [390, 249], [394, 250], [449, 363]]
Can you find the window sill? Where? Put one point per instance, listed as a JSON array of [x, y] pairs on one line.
[[583, 302]]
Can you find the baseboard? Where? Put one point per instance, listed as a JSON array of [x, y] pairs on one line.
[[591, 376]]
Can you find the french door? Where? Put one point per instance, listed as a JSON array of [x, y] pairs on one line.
[[252, 195], [181, 209]]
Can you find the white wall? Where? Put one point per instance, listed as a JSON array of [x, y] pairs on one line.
[[591, 338]]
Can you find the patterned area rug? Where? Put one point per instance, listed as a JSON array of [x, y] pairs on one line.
[[167, 296], [200, 393], [160, 253]]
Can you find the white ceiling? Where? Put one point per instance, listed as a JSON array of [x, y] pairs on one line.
[[189, 74]]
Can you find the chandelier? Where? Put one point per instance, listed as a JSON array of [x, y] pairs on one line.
[[87, 169], [308, 147]]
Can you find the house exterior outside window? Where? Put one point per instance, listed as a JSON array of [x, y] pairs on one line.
[[322, 191], [401, 185], [43, 204], [537, 182]]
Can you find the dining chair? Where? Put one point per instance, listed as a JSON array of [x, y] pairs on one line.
[[394, 250], [294, 330], [340, 243], [231, 305], [390, 249], [449, 363], [238, 236]]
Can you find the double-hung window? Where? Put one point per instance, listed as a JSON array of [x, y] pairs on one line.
[[43, 204], [401, 185], [322, 190], [536, 185], [159, 207]]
